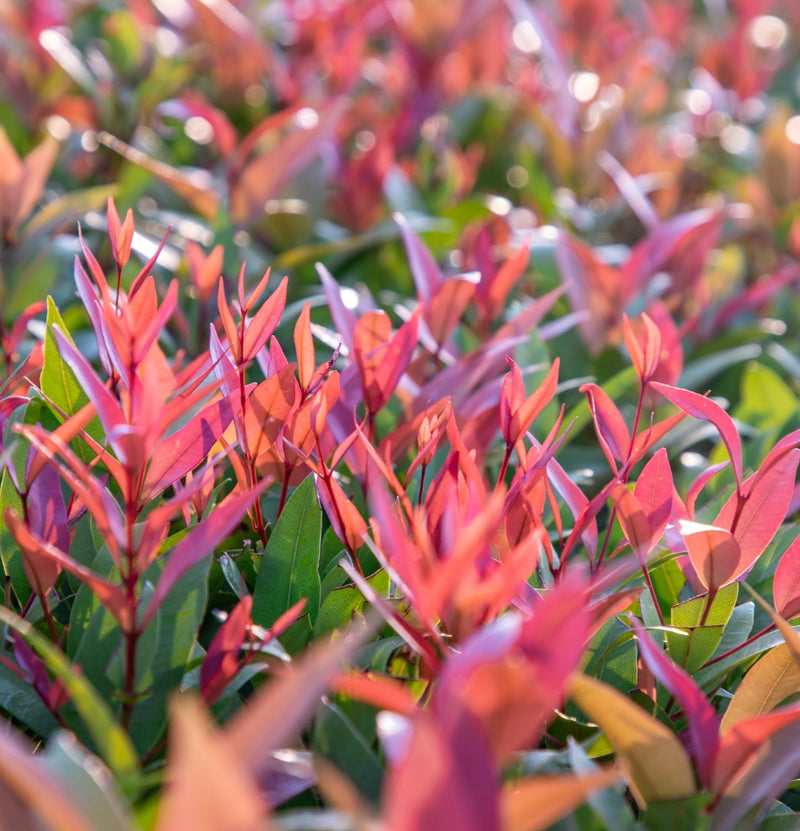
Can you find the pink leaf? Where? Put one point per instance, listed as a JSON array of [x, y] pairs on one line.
[[702, 718], [653, 489], [786, 585], [426, 273], [769, 492], [699, 406], [459, 788], [609, 423], [343, 318], [188, 446]]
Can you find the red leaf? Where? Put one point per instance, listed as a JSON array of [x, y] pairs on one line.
[[702, 718], [263, 323], [634, 522], [495, 294], [222, 658], [644, 347], [382, 358], [511, 675], [518, 412], [769, 492], [609, 424], [120, 233], [699, 406], [786, 585], [187, 447], [112, 597], [742, 745], [347, 522], [714, 552], [447, 306], [459, 788]]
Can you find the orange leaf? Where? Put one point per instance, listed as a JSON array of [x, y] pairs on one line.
[[535, 804], [304, 346]]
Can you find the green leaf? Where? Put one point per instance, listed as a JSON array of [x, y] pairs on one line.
[[88, 781], [610, 805], [110, 739], [339, 736], [766, 400], [10, 552], [19, 699], [58, 381], [166, 649], [612, 657], [289, 569], [703, 631], [340, 604], [683, 815]]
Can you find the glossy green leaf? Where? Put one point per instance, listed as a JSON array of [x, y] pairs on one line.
[[167, 646], [703, 631], [340, 736], [289, 569]]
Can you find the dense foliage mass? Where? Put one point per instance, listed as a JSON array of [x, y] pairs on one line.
[[399, 415]]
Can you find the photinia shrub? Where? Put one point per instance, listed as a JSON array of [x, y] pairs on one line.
[[419, 446]]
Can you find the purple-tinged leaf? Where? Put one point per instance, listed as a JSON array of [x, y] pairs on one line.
[[690, 235], [699, 406], [343, 317], [47, 512], [187, 447], [703, 722], [459, 788], [111, 596], [700, 482], [97, 500], [427, 275], [108, 410], [222, 657], [199, 543], [630, 190], [609, 423]]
